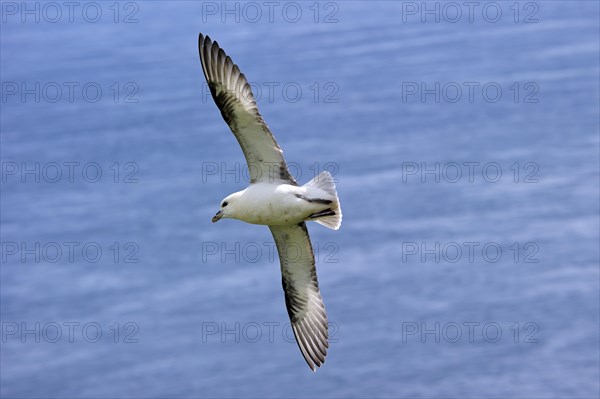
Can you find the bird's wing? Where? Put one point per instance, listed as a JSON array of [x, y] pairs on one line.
[[302, 297], [233, 96]]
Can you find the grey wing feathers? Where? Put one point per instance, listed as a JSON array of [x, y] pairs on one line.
[[302, 296], [233, 95]]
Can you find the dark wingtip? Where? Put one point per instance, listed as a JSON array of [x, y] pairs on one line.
[[203, 40], [200, 43]]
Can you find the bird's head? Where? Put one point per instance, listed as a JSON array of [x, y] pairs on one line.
[[228, 208]]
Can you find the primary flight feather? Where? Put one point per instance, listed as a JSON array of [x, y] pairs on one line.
[[273, 198]]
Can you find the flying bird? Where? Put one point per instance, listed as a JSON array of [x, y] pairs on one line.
[[275, 199]]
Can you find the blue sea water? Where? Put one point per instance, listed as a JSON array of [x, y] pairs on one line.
[[465, 143]]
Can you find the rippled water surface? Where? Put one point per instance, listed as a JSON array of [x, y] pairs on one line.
[[467, 161]]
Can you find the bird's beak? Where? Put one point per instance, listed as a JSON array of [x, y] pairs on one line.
[[218, 216]]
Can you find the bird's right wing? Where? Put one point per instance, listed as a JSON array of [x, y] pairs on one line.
[[302, 297], [233, 96]]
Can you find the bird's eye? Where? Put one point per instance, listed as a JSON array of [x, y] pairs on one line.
[[224, 204]]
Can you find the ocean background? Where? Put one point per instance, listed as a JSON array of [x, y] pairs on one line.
[[466, 151]]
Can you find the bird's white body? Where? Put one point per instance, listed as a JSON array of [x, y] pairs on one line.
[[277, 204]]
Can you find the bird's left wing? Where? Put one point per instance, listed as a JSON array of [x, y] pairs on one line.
[[302, 296], [233, 96]]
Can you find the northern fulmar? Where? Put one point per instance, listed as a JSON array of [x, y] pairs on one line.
[[275, 199]]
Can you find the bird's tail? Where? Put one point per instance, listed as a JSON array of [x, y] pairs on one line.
[[331, 217]]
